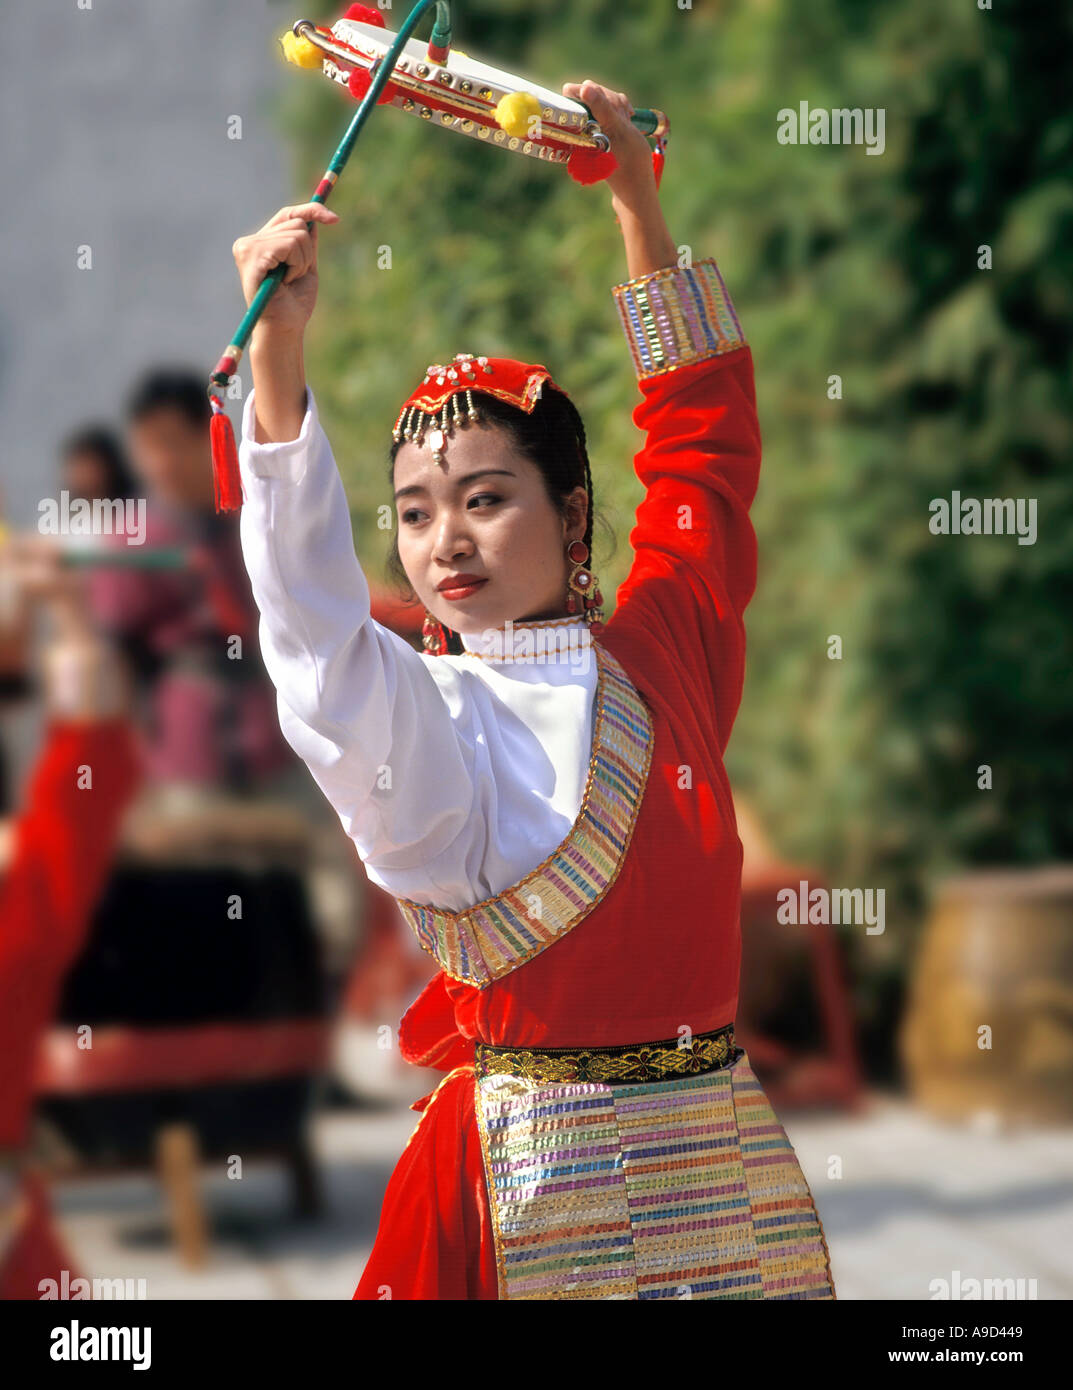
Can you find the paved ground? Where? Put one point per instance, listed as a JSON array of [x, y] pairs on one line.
[[918, 1201]]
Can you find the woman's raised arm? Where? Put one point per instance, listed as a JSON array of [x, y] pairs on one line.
[[356, 702], [681, 608], [634, 195], [276, 357]]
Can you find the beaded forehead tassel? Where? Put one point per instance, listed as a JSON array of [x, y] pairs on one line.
[[414, 421], [446, 396]]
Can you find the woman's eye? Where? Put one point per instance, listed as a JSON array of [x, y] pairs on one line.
[[483, 499], [411, 516]]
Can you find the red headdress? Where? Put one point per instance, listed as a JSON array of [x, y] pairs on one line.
[[445, 397]]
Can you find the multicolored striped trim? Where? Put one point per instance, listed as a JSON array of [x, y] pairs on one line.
[[675, 317], [686, 1188], [494, 937]]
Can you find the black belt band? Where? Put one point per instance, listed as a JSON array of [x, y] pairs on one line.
[[631, 1062]]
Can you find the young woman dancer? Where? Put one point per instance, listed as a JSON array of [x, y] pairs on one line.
[[549, 807]]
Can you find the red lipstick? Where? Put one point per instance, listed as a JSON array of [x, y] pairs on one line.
[[460, 586]]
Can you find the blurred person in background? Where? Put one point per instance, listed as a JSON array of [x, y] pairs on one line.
[[219, 815], [223, 795], [207, 708], [55, 855], [15, 682], [94, 465]]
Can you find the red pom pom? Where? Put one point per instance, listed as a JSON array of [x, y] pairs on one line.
[[362, 14], [360, 81], [590, 166]]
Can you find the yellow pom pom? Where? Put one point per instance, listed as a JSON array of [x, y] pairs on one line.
[[300, 51], [515, 114]]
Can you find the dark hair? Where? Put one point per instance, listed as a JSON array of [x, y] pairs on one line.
[[104, 445], [552, 436], [170, 388]]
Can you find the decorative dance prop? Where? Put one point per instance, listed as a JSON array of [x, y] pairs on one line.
[[447, 88]]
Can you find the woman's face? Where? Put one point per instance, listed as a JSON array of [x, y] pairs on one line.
[[479, 538]]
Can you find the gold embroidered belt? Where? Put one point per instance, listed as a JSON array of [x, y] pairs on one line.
[[653, 1061]]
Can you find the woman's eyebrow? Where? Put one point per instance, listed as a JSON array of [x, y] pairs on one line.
[[416, 488]]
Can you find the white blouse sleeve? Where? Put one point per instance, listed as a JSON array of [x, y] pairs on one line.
[[381, 729]]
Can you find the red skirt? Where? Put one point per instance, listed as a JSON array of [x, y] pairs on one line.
[[435, 1238]]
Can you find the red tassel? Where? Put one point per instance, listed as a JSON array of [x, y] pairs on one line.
[[362, 14], [590, 166], [227, 481], [360, 82], [658, 161]]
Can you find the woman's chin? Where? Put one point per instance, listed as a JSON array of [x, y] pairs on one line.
[[471, 625], [472, 620], [471, 616], [480, 613]]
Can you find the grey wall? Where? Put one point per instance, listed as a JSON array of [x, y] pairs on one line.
[[114, 124]]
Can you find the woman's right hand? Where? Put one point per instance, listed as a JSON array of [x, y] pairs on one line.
[[284, 240]]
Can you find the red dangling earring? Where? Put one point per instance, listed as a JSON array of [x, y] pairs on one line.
[[433, 637], [582, 588]]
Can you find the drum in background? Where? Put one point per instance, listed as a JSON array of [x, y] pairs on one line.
[[989, 1027]]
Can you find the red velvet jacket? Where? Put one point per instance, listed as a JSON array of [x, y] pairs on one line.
[[662, 950]]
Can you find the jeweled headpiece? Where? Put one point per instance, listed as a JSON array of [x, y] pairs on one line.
[[445, 397]]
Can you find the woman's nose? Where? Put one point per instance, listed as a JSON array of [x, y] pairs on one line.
[[453, 538]]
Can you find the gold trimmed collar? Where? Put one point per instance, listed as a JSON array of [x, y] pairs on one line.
[[550, 642]]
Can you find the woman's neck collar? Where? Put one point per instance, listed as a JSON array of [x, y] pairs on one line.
[[540, 641]]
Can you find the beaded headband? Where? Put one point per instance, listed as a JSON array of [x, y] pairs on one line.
[[444, 398]]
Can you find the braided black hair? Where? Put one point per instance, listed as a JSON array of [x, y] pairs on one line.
[[552, 436]]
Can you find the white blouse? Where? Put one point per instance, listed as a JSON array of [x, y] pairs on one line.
[[454, 776]]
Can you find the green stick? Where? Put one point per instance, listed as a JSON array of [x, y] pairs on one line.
[[441, 36]]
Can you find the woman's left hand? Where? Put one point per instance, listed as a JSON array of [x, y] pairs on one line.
[[634, 181]]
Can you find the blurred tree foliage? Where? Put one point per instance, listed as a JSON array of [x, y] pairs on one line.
[[956, 649]]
